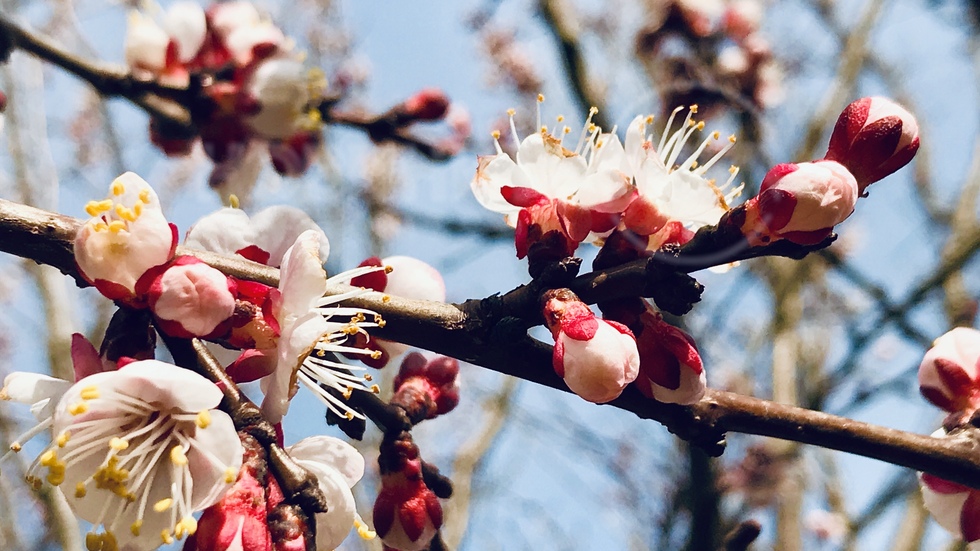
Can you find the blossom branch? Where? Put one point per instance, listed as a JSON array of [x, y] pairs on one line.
[[160, 101], [458, 331], [383, 128]]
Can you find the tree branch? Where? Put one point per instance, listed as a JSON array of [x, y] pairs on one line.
[[455, 331]]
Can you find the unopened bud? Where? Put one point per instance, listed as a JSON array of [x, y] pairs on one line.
[[430, 104], [948, 374], [873, 138], [800, 202], [427, 388]]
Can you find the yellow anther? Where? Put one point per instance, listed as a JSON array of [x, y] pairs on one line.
[[347, 392], [694, 164], [48, 458], [732, 169], [118, 188], [389, 269], [137, 210], [118, 444], [56, 477], [135, 527], [376, 389], [349, 415], [598, 144], [230, 475], [177, 456], [376, 355], [15, 447], [78, 409], [380, 322], [100, 226], [145, 196], [204, 419], [540, 98], [90, 392], [163, 505], [649, 119], [701, 125], [732, 138], [4, 395], [495, 134], [363, 530], [694, 108], [95, 208], [715, 135], [33, 481], [117, 226], [593, 127], [565, 130], [125, 213], [544, 128], [93, 541], [185, 527], [233, 201], [593, 110], [165, 536], [368, 377], [511, 112], [561, 118], [80, 490], [385, 299]]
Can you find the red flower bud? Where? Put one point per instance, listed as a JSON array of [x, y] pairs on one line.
[[873, 138], [949, 375], [430, 104], [427, 388], [407, 514]]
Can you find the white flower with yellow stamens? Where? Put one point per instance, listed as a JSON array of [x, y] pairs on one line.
[[312, 328], [670, 187], [138, 451], [126, 236]]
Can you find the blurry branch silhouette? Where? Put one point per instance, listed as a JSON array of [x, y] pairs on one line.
[[562, 21], [177, 105], [479, 332], [742, 536]]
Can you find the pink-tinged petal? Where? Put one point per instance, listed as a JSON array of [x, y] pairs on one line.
[[948, 372], [575, 220], [776, 174], [942, 486], [634, 142], [244, 41], [558, 357], [252, 364], [194, 295], [413, 278], [777, 208], [849, 123], [642, 217], [522, 196], [600, 368], [84, 357], [521, 233], [873, 138], [582, 328], [187, 26], [946, 508], [254, 253]]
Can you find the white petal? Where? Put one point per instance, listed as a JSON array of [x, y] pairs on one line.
[[493, 173], [332, 453], [222, 231], [280, 87], [599, 369], [145, 44], [41, 392], [301, 278], [412, 278], [186, 24], [945, 508], [276, 228]]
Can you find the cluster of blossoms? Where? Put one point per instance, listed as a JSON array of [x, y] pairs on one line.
[[141, 443], [742, 60], [250, 92], [256, 86], [949, 377], [637, 196]]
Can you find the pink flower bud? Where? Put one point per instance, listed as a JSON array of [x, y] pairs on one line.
[[948, 374], [671, 370], [954, 506], [190, 298], [427, 388], [407, 514], [800, 202], [430, 104], [873, 138], [597, 358]]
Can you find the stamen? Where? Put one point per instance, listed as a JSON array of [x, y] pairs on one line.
[[204, 419], [118, 188]]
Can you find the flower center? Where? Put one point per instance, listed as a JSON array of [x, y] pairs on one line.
[[112, 214]]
